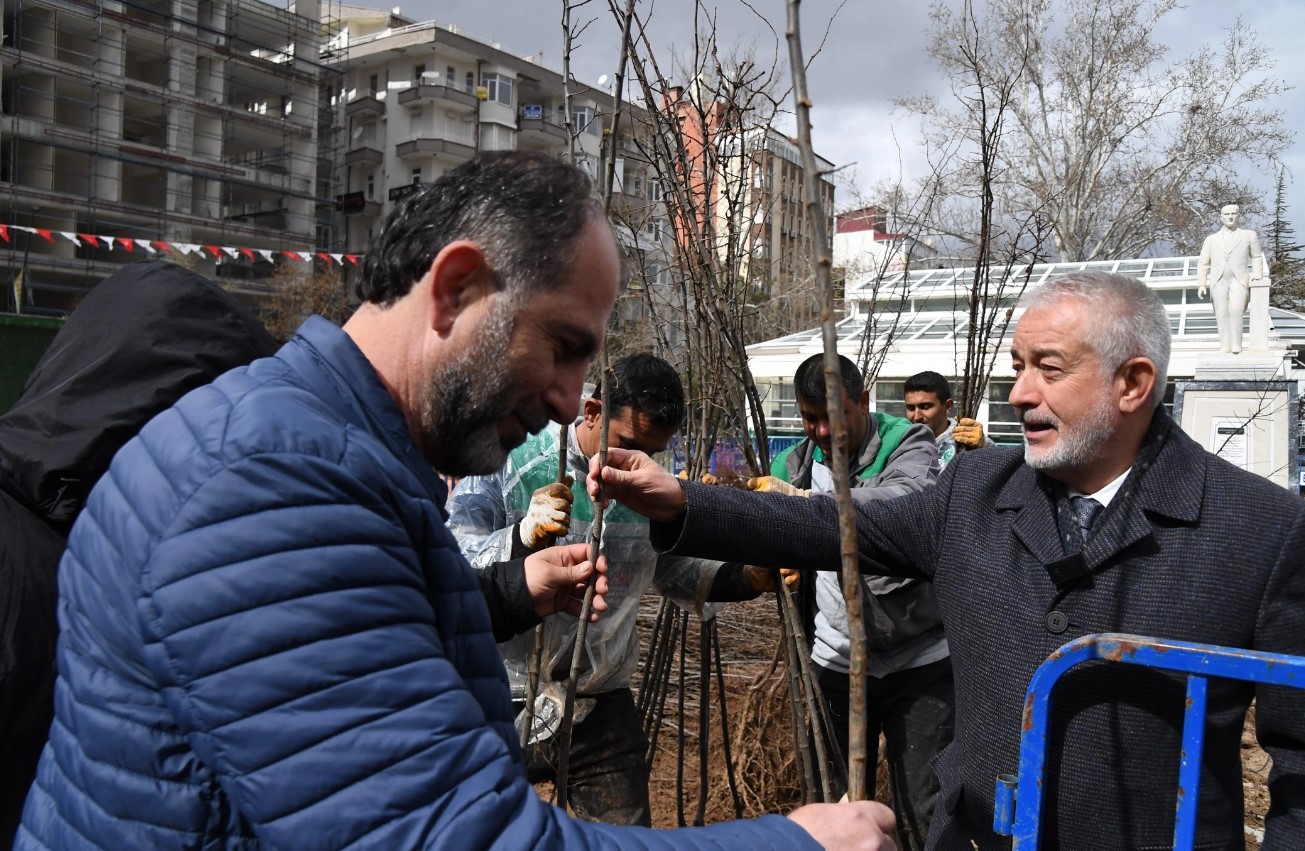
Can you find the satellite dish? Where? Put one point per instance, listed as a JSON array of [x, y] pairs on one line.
[[357, 132], [602, 81]]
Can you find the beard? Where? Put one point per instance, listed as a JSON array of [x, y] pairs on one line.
[[469, 395], [1076, 446]]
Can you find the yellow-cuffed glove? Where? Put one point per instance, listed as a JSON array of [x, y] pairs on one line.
[[549, 515], [968, 433], [774, 484], [762, 579]]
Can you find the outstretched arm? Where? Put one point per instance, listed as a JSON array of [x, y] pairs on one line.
[[637, 482]]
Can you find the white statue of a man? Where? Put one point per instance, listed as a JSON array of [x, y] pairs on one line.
[[1230, 262]]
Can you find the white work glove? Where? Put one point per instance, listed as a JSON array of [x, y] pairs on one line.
[[549, 515]]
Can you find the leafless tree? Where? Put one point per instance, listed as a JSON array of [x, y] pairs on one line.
[[1114, 146], [300, 290]]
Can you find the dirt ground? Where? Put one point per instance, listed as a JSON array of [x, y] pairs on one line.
[[767, 773]]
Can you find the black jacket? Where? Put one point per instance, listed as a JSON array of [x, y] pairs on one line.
[[139, 341]]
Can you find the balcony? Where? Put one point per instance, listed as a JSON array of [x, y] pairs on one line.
[[440, 95], [364, 154], [365, 105], [435, 144], [541, 131]]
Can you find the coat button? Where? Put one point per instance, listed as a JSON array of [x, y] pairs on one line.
[[1057, 622]]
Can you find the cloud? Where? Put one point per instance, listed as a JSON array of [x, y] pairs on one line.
[[874, 53]]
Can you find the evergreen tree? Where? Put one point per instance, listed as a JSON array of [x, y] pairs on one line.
[[1286, 267]]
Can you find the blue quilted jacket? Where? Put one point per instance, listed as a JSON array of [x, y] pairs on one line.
[[269, 639]]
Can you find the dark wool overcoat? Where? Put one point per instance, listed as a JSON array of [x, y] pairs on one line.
[[1191, 549]]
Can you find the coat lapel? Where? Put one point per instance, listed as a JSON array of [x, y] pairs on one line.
[[1169, 485], [1035, 527]]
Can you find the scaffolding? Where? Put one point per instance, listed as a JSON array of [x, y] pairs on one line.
[[198, 122]]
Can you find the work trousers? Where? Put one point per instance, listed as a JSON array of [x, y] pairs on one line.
[[607, 775], [915, 711]]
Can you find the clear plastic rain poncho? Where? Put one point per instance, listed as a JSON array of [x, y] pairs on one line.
[[483, 513]]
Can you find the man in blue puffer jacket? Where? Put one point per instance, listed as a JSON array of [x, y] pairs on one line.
[[270, 639]]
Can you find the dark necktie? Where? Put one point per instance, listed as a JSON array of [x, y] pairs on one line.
[[1086, 510]]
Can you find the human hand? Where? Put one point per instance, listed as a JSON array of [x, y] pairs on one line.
[[1200, 291], [774, 484], [862, 825], [549, 515], [556, 578], [635, 480], [968, 433]]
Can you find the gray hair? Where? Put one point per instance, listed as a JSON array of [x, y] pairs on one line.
[[1127, 320]]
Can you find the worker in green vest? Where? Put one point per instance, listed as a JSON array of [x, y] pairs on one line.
[[909, 685]]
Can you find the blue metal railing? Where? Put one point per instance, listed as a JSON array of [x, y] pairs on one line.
[[1018, 809]]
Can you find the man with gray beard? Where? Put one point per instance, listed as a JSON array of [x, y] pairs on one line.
[[1110, 520]]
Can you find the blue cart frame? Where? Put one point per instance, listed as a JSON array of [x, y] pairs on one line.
[[1018, 808]]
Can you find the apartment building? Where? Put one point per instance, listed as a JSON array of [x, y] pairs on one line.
[[745, 190], [130, 129], [420, 98]]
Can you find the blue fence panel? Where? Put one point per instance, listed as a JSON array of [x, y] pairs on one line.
[[1018, 809], [728, 455]]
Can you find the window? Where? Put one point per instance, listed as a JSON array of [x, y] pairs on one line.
[[416, 175], [582, 121], [1003, 419], [654, 189], [451, 76], [888, 398], [371, 186], [496, 137], [636, 187], [470, 85], [373, 83], [500, 88], [417, 71]]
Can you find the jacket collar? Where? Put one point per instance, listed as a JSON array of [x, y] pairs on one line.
[[1167, 479], [334, 368], [862, 458]]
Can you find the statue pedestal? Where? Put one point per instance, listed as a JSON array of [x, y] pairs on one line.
[[1251, 423], [1262, 365]]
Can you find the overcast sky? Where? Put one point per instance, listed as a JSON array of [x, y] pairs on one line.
[[875, 52]]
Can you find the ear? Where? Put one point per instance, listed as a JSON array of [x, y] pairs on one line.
[[863, 404], [1134, 382], [459, 276], [948, 405], [593, 411]]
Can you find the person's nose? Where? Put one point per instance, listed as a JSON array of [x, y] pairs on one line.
[[562, 397], [915, 416], [1023, 393]]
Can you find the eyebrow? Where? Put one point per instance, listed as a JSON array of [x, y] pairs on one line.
[[580, 340]]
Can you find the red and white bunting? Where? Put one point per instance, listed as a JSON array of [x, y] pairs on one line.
[[146, 246]]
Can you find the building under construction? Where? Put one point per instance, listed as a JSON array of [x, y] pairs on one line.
[[131, 129]]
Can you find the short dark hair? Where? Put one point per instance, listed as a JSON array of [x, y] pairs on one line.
[[809, 380], [525, 209], [647, 384], [928, 382]]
